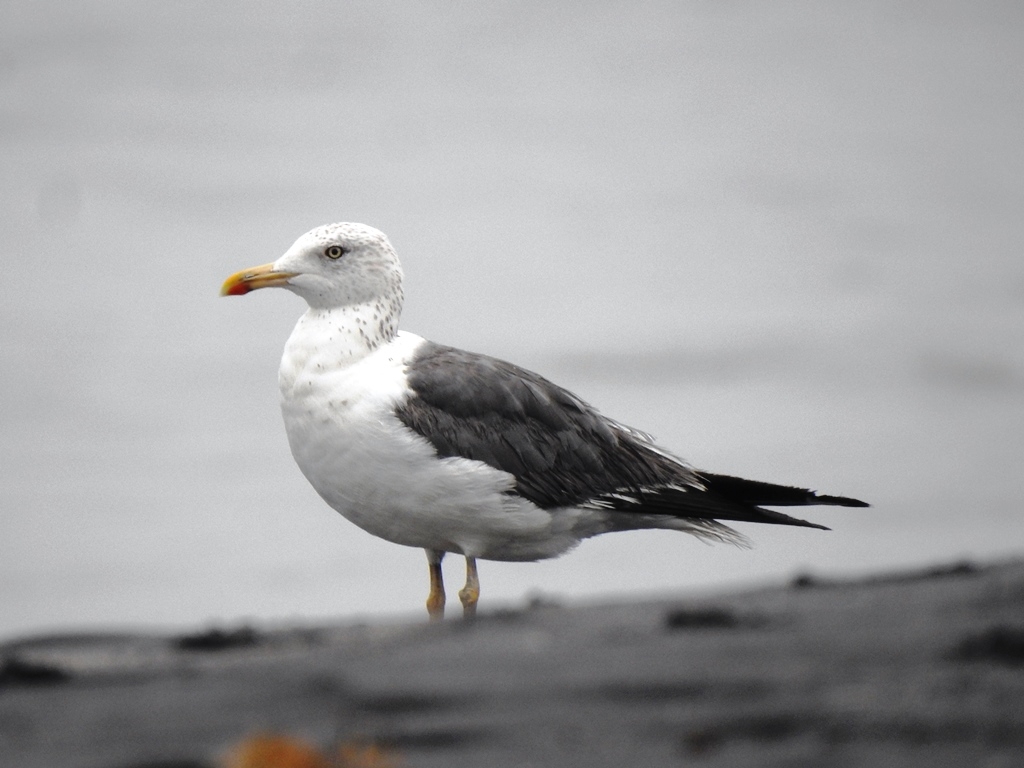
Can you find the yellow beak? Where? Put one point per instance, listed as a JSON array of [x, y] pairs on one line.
[[250, 279]]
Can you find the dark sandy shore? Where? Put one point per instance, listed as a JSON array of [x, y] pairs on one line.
[[916, 669]]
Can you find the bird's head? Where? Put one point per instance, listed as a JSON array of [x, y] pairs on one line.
[[335, 265]]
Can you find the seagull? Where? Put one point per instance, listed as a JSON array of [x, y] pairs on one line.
[[450, 451]]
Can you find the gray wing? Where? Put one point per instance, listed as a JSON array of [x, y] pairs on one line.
[[560, 450]]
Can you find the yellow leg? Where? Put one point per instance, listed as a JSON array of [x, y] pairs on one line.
[[435, 600], [470, 594]]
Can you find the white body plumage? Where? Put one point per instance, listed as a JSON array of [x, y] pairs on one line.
[[338, 395]]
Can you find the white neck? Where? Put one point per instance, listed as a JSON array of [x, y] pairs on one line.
[[338, 337]]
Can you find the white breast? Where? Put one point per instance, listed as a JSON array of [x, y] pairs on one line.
[[338, 404]]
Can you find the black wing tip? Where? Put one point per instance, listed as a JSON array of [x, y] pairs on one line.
[[837, 501], [760, 493], [774, 517], [806, 524]]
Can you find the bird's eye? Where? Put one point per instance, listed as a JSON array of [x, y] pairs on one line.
[[334, 252]]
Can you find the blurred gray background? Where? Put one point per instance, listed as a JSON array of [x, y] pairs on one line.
[[783, 237]]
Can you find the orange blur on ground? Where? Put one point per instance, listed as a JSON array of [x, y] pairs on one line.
[[277, 751]]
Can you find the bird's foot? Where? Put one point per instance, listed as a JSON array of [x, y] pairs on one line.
[[469, 600], [435, 606], [470, 594]]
